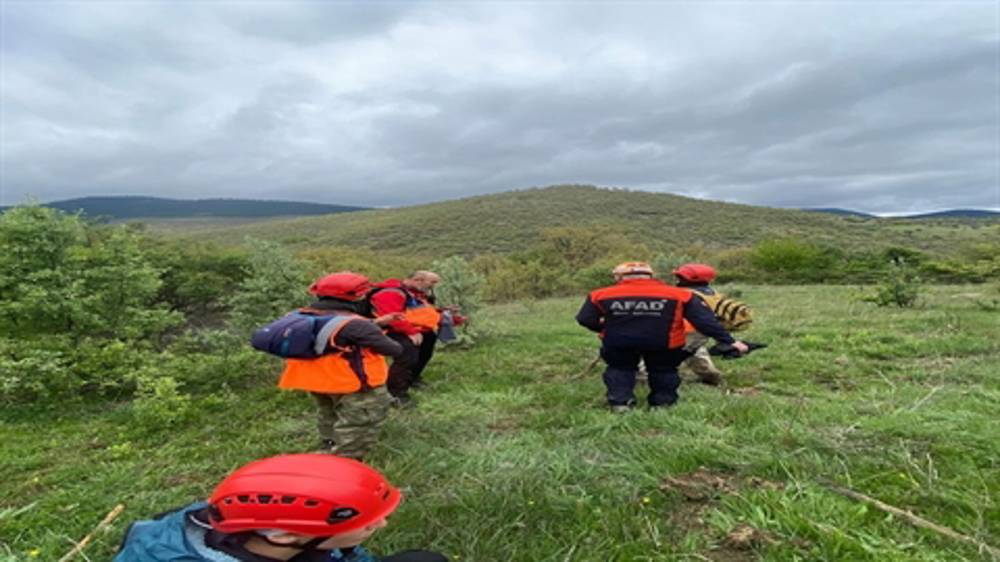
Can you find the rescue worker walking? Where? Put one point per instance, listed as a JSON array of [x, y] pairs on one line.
[[348, 380], [643, 318], [416, 332], [732, 314], [299, 508]]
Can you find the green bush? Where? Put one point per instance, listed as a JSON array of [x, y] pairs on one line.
[[793, 260], [30, 369], [461, 287], [900, 287], [275, 283], [78, 306], [158, 402], [198, 278]]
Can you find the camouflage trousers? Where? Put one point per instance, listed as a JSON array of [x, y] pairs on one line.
[[352, 421], [700, 362]]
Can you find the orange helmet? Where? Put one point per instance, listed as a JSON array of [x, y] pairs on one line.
[[632, 268]]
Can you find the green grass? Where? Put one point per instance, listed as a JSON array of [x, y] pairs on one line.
[[510, 455]]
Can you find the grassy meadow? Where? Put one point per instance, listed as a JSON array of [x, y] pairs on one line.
[[510, 455]]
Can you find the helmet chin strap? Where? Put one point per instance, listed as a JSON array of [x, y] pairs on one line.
[[312, 544]]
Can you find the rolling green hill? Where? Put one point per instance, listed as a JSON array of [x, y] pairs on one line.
[[511, 221]]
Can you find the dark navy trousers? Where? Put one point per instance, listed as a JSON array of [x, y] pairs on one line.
[[661, 365]]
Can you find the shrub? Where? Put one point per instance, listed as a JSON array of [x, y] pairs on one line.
[[900, 287], [790, 259], [460, 285], [274, 284], [197, 279], [158, 401], [78, 309]]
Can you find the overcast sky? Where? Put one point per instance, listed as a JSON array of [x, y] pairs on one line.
[[880, 107]]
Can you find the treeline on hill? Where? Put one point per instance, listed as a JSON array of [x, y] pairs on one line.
[[95, 310]]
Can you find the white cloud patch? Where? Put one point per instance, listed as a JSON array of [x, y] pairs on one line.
[[888, 107]]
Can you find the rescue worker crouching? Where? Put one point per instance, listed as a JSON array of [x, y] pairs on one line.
[[643, 318], [416, 332], [347, 382], [299, 508]]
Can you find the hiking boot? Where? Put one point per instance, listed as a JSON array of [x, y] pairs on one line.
[[661, 406], [621, 408], [711, 378]]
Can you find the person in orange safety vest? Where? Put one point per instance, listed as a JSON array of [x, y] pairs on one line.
[[348, 379]]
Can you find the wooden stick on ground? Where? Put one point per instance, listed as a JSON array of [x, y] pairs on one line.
[[914, 520], [587, 369], [100, 526]]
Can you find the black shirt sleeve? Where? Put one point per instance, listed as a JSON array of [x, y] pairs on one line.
[[703, 319], [364, 333], [590, 317]]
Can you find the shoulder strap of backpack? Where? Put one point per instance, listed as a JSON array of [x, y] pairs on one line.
[[330, 331]]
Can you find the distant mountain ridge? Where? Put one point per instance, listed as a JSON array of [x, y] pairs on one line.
[[953, 213], [841, 212], [946, 214], [141, 207]]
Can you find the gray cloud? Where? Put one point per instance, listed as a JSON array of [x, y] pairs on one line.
[[889, 107]]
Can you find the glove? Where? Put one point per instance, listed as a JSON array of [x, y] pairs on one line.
[[727, 351]]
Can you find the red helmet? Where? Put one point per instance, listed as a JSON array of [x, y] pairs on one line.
[[695, 272], [345, 285], [311, 494]]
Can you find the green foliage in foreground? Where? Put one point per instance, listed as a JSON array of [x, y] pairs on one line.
[[510, 456]]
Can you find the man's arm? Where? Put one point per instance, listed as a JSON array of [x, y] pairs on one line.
[[363, 333], [590, 316]]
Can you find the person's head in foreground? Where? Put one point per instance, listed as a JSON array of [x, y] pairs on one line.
[[291, 503], [305, 507]]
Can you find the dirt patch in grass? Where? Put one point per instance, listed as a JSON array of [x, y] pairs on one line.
[[701, 490], [745, 537], [701, 485]]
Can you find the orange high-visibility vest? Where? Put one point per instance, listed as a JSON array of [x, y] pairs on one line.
[[423, 316], [335, 372]]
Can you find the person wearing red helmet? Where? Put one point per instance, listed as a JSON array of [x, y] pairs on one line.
[[299, 508], [416, 332], [733, 315], [642, 318], [348, 381]]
